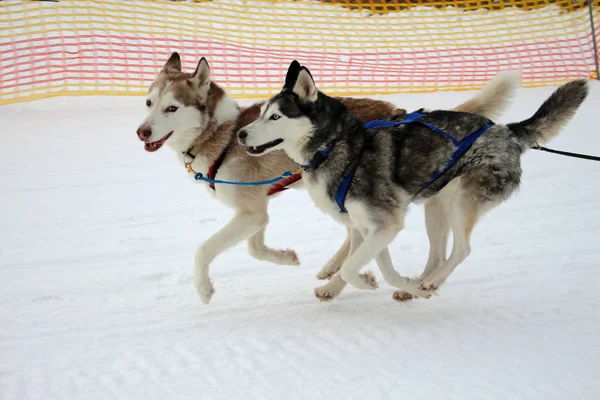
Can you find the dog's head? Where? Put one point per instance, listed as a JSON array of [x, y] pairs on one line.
[[289, 120], [180, 106]]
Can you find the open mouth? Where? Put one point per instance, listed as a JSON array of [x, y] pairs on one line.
[[255, 150], [158, 144]]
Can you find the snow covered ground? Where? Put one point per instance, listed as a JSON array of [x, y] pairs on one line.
[[97, 302]]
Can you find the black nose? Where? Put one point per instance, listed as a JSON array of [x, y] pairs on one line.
[[242, 134]]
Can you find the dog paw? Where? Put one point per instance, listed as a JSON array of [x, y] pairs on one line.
[[429, 284], [413, 286], [323, 294], [325, 274], [402, 296], [370, 280], [426, 293], [289, 257], [412, 293], [205, 291], [330, 290]]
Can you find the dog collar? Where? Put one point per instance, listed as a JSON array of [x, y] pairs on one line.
[[214, 168]]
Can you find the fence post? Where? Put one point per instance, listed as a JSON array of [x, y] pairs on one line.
[[594, 42]]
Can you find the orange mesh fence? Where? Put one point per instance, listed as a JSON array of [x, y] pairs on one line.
[[353, 47]]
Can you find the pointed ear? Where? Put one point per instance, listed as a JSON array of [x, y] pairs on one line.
[[201, 78], [173, 63], [305, 86], [292, 75]]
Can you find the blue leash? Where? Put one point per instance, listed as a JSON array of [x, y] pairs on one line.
[[199, 177]]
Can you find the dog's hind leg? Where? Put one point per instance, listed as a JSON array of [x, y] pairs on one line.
[[243, 225], [334, 287], [438, 229], [463, 214], [258, 250], [335, 263]]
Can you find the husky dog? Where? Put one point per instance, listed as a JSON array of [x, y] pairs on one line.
[[196, 118], [459, 164]]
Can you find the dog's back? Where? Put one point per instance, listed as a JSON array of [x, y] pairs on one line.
[[490, 167]]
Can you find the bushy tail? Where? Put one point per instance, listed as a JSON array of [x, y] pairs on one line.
[[493, 99], [556, 111]]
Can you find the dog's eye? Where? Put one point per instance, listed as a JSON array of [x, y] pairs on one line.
[[148, 103], [171, 109], [274, 117]]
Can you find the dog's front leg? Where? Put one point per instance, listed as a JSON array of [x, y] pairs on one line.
[[375, 241], [335, 263], [334, 287], [409, 287], [242, 226], [392, 277]]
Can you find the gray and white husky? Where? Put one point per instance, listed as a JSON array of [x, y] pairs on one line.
[[194, 116], [459, 164]]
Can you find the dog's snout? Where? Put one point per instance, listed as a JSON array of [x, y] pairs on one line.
[[144, 132], [242, 134]]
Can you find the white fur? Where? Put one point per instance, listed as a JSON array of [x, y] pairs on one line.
[[183, 122], [495, 96], [226, 110], [451, 200], [265, 130], [337, 284], [241, 226]]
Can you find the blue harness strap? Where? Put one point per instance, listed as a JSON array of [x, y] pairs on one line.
[[342, 192], [461, 148], [410, 118]]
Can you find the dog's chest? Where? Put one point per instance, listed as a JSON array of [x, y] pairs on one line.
[[358, 215], [224, 193], [317, 188]]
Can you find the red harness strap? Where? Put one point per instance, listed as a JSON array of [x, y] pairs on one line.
[[214, 168], [281, 186]]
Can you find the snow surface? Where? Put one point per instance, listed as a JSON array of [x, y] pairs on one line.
[[98, 239]]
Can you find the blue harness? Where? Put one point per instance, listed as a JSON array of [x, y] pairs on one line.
[[461, 148]]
